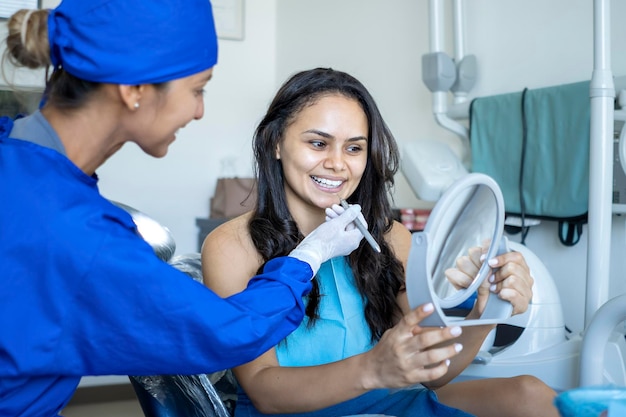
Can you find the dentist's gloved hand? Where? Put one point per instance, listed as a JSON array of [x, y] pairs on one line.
[[330, 239], [336, 210]]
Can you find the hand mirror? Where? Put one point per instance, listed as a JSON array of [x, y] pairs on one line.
[[470, 213]]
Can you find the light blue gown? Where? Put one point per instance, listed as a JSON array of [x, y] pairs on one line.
[[341, 332]]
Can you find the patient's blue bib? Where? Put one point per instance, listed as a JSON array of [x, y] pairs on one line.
[[340, 332]]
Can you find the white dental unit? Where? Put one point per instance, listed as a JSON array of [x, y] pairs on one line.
[[544, 347]]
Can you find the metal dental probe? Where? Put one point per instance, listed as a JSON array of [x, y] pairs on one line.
[[359, 225]]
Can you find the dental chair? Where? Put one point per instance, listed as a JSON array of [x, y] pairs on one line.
[[203, 395]]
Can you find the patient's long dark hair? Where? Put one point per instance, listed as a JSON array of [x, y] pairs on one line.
[[379, 277]]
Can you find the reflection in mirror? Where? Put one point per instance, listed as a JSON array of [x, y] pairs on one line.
[[471, 222]]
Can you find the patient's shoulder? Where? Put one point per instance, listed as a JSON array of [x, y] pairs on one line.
[[229, 258], [233, 233], [399, 238]]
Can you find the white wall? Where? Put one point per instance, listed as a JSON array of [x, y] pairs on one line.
[[379, 42], [176, 190]]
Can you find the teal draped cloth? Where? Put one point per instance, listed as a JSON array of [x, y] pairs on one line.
[[555, 171]]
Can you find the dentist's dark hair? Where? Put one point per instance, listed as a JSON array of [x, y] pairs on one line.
[[379, 277]]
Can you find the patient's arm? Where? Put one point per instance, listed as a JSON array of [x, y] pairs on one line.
[[396, 361], [401, 358], [472, 337]]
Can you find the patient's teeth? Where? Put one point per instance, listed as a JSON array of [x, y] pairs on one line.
[[326, 182]]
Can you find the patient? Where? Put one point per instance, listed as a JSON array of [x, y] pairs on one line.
[[323, 138]]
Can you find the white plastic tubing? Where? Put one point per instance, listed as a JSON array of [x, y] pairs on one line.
[[601, 317], [596, 337], [440, 98], [602, 93]]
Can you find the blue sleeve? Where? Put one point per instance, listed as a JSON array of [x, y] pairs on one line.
[[136, 315], [83, 294]]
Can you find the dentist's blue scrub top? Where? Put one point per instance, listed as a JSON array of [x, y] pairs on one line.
[[82, 294]]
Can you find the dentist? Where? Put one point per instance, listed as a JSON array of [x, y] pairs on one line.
[[82, 293]]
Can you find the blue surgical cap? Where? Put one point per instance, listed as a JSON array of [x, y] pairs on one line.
[[132, 41]]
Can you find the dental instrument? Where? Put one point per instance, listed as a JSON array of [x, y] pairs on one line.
[[359, 225]]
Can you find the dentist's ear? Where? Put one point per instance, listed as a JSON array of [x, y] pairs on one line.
[[131, 95]]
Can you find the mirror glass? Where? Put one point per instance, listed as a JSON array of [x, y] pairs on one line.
[[470, 221]]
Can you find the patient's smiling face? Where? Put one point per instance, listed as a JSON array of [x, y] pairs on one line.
[[323, 154]]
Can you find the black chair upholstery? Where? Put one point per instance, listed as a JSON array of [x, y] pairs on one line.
[[186, 395]]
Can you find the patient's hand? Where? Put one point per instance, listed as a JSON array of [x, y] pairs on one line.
[[511, 280], [408, 354]]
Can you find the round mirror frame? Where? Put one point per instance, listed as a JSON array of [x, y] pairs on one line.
[[419, 280]]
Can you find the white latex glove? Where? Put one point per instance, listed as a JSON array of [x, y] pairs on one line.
[[333, 238], [336, 210]]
